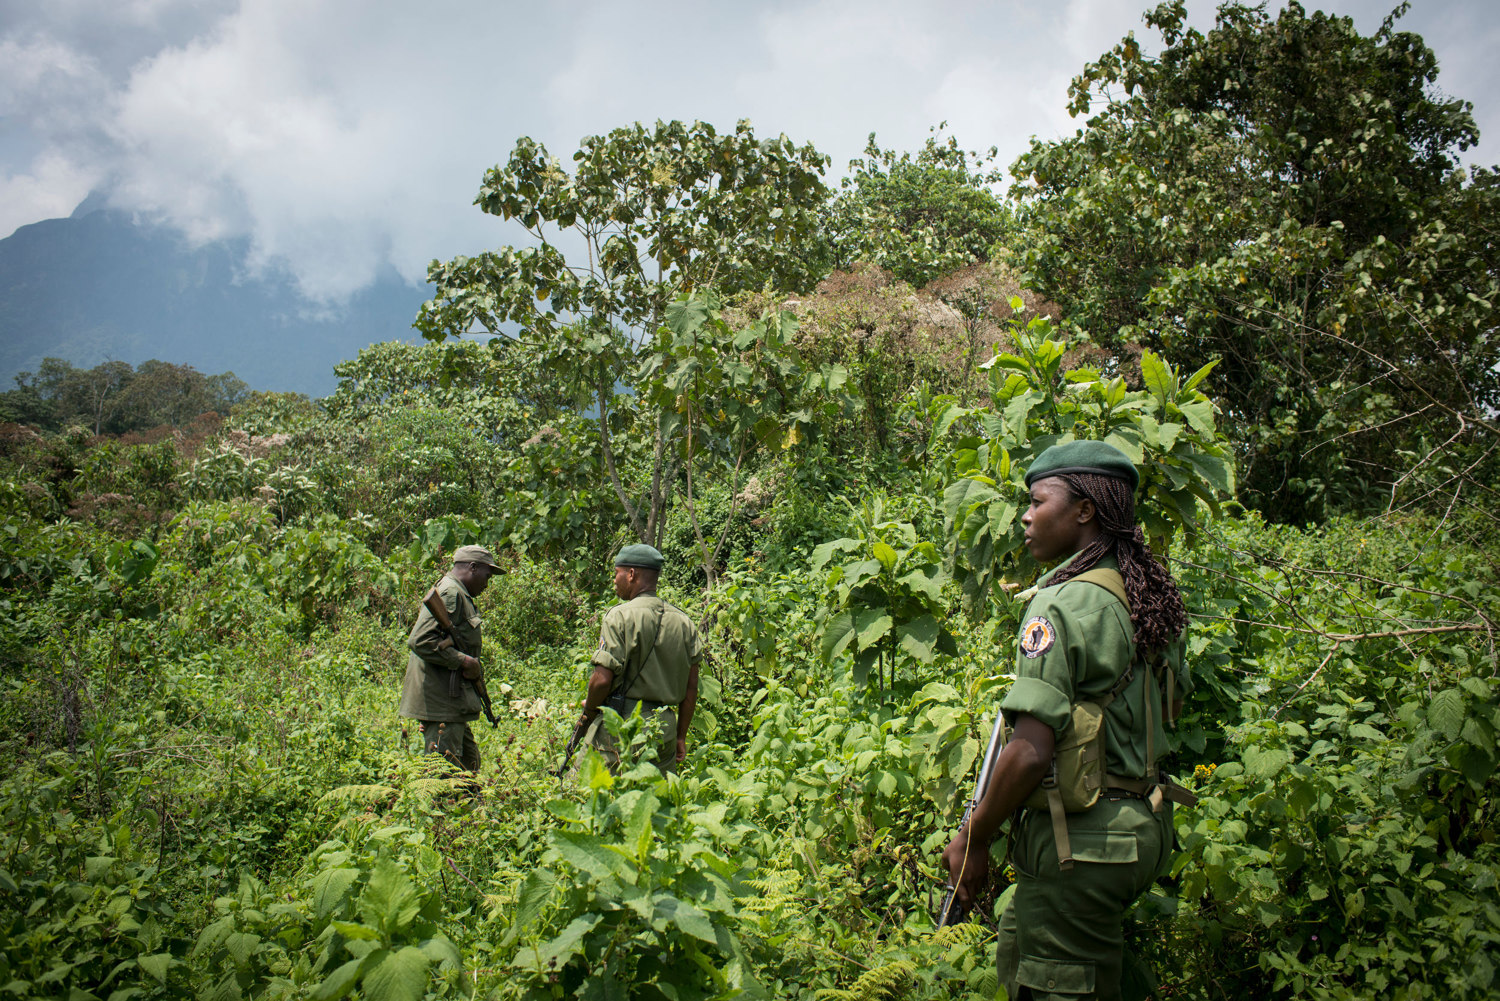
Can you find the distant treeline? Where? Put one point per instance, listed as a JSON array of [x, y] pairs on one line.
[[116, 398]]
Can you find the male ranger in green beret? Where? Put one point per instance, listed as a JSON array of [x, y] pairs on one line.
[[648, 656], [438, 691]]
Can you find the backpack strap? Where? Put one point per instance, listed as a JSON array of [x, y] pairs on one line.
[[1107, 578]]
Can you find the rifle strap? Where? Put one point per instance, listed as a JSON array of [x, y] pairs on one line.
[[622, 687]]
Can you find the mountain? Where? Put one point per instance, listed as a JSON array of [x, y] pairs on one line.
[[99, 285]]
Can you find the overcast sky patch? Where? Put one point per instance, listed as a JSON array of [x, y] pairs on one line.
[[345, 138]]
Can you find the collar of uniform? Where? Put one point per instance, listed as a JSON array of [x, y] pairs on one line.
[[1106, 562], [460, 585]]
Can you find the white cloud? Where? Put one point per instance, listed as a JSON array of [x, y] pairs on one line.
[[342, 137], [53, 187]]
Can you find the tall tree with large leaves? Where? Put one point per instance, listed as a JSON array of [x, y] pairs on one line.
[[646, 214], [918, 216], [1282, 193]]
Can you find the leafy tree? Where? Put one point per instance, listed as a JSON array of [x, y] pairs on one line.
[[1281, 193], [656, 212], [1169, 429], [471, 381], [114, 397], [726, 395], [917, 216]]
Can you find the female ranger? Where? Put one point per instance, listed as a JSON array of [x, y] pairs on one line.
[[1061, 935]]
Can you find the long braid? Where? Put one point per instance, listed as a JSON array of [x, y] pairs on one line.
[[1156, 608]]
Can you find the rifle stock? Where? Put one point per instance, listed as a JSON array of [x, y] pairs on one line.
[[953, 910], [434, 603]]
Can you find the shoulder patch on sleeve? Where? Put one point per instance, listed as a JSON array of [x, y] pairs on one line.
[[1037, 636]]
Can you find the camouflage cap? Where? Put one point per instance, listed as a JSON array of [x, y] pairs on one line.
[[640, 555], [1084, 457], [475, 554]]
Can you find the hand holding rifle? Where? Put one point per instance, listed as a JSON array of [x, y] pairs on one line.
[[473, 671], [1011, 770]]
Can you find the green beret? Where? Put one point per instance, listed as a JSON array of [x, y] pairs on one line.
[[640, 555], [474, 554], [1084, 457]]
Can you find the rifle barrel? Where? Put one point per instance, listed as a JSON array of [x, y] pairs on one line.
[[953, 910]]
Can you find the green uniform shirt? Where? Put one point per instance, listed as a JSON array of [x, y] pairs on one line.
[[424, 692], [656, 671], [1075, 642]]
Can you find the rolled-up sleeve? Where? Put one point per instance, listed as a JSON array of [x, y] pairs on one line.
[[613, 648]]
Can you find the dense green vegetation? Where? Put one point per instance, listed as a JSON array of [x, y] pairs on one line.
[[207, 793], [116, 397]]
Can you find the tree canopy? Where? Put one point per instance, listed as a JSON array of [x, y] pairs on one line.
[[1283, 193]]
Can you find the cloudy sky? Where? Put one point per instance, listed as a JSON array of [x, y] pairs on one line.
[[343, 137]]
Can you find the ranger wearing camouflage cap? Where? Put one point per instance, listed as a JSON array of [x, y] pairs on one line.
[[648, 656], [438, 690]]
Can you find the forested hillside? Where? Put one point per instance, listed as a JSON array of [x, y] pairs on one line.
[[1257, 269]]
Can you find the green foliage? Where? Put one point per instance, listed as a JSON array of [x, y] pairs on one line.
[[1282, 193], [885, 601], [1168, 429], [917, 216], [729, 395], [660, 212], [205, 791], [633, 891], [115, 397], [486, 386]]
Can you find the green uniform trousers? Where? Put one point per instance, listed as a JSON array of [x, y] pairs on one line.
[[453, 740], [1062, 934], [662, 752]]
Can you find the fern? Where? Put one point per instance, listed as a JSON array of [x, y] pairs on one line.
[[964, 933], [880, 984]]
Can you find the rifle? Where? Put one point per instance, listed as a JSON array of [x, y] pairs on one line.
[[434, 603], [573, 742], [952, 912]]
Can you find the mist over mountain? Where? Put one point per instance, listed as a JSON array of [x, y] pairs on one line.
[[99, 285]]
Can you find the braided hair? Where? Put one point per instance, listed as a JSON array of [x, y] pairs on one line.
[[1156, 608]]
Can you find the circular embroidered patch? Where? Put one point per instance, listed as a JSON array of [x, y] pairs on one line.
[[1037, 636]]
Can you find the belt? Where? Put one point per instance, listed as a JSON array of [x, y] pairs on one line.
[[624, 706]]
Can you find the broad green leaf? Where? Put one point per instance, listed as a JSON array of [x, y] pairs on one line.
[[963, 494], [885, 554], [241, 946], [441, 950], [157, 965], [338, 983], [1199, 376], [355, 931], [1156, 376], [823, 553], [389, 900], [672, 911], [586, 853], [329, 888], [535, 890], [837, 635], [1200, 416], [860, 572], [400, 976], [564, 947], [1446, 713], [870, 626], [1265, 764], [918, 637], [920, 583]]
